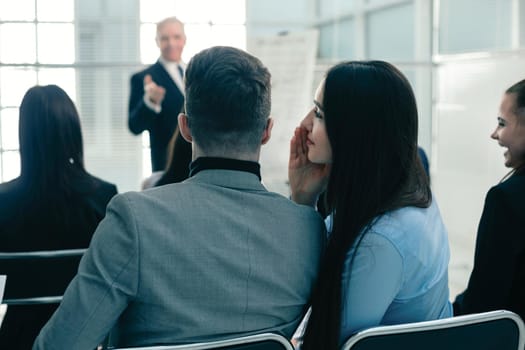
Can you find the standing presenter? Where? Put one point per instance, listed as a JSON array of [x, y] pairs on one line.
[[157, 92]]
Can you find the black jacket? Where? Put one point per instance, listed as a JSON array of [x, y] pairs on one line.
[[160, 126], [29, 223], [498, 278]]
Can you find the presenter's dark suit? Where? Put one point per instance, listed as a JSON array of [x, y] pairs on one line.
[[162, 125], [498, 278], [28, 224]]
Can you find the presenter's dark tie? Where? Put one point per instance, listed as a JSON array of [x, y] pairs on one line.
[[181, 71]]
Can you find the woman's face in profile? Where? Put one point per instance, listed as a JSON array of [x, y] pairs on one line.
[[319, 149], [510, 132]]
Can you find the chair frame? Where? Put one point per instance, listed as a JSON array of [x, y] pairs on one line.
[[43, 255], [220, 344], [440, 324]]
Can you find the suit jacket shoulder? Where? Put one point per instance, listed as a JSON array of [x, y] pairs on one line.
[[504, 202], [512, 189]]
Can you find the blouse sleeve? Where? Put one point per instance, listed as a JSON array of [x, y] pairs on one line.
[[370, 284]]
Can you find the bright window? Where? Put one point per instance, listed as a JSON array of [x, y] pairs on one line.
[[32, 32], [11, 35], [38, 45], [19, 10]]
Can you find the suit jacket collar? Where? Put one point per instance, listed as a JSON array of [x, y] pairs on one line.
[[176, 81]]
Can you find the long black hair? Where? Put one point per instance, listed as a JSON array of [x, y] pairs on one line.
[[371, 122], [179, 159], [51, 149]]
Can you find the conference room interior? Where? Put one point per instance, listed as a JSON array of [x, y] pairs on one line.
[[459, 65]]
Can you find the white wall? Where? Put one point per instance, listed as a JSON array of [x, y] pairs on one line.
[[269, 17]]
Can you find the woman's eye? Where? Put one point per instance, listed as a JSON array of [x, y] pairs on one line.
[[318, 113]]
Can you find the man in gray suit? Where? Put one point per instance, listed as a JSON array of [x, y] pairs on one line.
[[213, 257]]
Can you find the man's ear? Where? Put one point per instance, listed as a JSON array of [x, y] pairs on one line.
[[184, 128], [267, 131]]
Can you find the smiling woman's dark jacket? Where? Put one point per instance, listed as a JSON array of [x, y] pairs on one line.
[[498, 278]]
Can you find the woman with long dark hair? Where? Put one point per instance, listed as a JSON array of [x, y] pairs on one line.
[[178, 168], [498, 277], [387, 256], [54, 203]]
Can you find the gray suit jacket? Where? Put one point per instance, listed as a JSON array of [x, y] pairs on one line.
[[212, 257]]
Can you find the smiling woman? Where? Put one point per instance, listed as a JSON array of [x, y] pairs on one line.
[[498, 278], [510, 132]]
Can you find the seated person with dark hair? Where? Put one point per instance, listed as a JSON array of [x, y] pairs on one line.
[[177, 170], [54, 204]]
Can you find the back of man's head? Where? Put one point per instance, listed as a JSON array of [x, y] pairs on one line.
[[227, 100]]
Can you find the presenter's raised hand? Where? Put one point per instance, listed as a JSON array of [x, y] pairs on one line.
[[154, 92], [307, 179]]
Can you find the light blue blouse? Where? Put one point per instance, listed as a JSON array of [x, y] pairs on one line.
[[400, 271]]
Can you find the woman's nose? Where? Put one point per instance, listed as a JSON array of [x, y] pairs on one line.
[[494, 134], [307, 121]]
